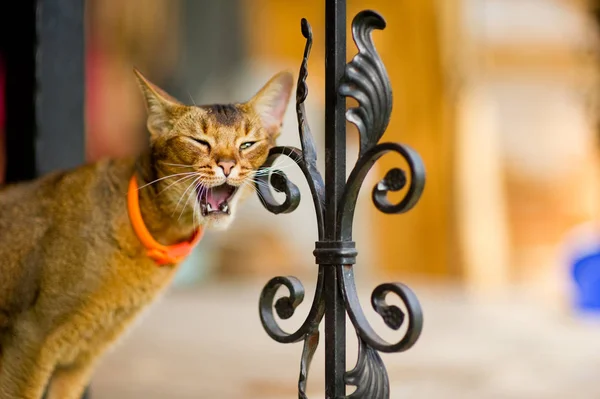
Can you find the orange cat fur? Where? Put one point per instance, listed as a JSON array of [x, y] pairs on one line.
[[74, 275]]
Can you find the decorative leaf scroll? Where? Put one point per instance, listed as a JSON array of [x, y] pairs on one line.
[[367, 81], [310, 346], [309, 152], [306, 139], [369, 375]]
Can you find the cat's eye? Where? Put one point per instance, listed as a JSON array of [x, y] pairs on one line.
[[201, 142], [247, 145]]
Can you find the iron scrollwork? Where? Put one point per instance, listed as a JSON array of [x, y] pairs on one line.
[[306, 159], [366, 80]]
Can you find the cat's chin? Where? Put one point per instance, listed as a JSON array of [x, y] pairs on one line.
[[218, 222]]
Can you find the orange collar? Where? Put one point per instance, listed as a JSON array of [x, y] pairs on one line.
[[161, 254]]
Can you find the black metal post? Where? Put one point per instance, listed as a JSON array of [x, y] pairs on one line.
[[364, 79], [19, 43], [43, 43], [335, 180]]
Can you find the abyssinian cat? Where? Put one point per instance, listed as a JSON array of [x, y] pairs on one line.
[[82, 252]]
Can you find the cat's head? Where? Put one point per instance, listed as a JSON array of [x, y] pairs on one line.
[[207, 155]]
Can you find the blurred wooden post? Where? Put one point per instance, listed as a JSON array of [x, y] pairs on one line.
[[480, 215], [459, 229], [423, 241]]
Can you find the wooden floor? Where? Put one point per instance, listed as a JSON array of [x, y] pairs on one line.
[[209, 344]]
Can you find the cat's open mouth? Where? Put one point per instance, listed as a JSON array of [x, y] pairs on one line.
[[215, 200]]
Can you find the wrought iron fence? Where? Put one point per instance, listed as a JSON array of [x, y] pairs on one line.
[[365, 79]]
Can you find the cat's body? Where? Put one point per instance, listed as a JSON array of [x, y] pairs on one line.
[[74, 273], [72, 281]]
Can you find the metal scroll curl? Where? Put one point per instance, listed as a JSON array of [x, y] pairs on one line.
[[286, 306], [394, 180], [392, 315], [267, 176]]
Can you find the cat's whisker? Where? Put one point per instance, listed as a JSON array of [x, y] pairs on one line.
[[179, 201], [197, 189], [197, 210], [263, 174], [260, 195], [250, 183], [260, 182], [178, 181], [192, 99], [252, 186], [177, 165], [272, 168], [166, 177], [281, 163], [194, 184], [263, 186]]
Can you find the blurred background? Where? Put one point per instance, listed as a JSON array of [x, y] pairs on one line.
[[500, 99]]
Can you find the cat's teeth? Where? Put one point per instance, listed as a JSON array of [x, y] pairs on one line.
[[224, 207], [208, 207]]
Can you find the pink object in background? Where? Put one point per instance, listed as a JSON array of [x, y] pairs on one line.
[[115, 123]]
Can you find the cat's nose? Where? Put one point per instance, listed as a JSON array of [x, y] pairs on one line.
[[226, 166]]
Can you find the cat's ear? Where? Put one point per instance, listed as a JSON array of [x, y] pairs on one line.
[[272, 100], [163, 110]]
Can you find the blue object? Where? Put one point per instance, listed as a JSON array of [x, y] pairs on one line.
[[586, 273]]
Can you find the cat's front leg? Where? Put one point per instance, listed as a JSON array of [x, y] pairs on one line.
[[70, 382], [26, 368]]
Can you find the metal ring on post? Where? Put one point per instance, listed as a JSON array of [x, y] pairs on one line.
[[335, 253]]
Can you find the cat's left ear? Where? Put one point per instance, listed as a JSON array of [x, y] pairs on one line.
[[272, 100], [163, 110]]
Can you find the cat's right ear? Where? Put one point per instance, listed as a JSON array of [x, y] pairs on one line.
[[163, 110], [272, 100]]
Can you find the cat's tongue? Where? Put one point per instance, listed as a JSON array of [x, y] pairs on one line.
[[216, 196]]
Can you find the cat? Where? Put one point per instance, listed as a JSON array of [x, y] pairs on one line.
[[78, 252]]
